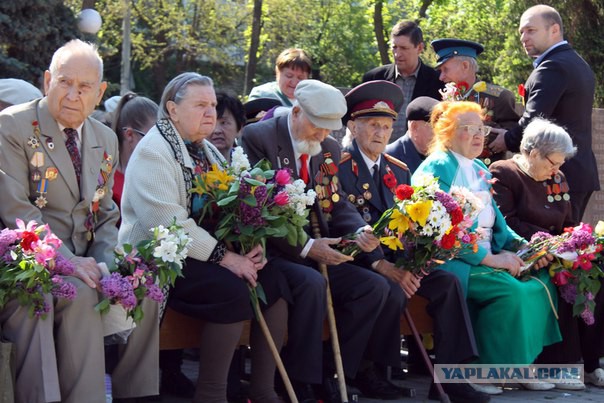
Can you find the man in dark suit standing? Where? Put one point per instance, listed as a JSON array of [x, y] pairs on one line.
[[560, 88], [408, 71], [57, 169], [372, 109], [367, 310]]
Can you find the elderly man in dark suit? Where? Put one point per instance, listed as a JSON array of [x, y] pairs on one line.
[[58, 169], [369, 178], [412, 148], [367, 310], [408, 71], [560, 88]]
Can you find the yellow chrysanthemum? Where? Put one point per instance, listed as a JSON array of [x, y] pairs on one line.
[[398, 222], [600, 228], [419, 211], [392, 242], [218, 178]]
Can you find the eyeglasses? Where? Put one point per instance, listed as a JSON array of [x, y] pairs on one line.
[[475, 130], [554, 165], [134, 130]]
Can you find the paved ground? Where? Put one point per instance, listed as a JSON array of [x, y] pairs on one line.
[[422, 383]]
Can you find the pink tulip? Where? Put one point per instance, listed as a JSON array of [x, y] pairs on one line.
[[282, 177], [281, 198]]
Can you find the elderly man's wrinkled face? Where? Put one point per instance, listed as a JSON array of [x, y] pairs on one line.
[[421, 134], [74, 89], [454, 70], [307, 136], [372, 134]]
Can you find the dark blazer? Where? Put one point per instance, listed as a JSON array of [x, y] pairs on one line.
[[404, 150], [270, 139], [562, 88], [371, 199], [427, 83]]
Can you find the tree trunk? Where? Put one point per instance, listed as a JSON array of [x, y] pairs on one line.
[[252, 58], [378, 28], [88, 4], [424, 8], [126, 47]]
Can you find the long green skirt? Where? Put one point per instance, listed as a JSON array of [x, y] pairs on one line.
[[513, 319]]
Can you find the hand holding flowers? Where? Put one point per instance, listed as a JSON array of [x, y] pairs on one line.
[[146, 270], [31, 266], [576, 257]]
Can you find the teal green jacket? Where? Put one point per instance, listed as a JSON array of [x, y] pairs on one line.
[[444, 166]]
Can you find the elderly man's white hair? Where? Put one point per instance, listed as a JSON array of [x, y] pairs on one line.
[[75, 47]]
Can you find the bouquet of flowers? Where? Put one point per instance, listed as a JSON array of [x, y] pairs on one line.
[[253, 204], [32, 266], [461, 91], [426, 226], [146, 270], [576, 268]]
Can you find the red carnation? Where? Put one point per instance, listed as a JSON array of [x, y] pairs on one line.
[[390, 180], [456, 216], [463, 87], [561, 278], [521, 90], [403, 192], [28, 238], [448, 240]]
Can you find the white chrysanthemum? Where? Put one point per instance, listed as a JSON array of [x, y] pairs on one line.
[[239, 161], [423, 179], [438, 221], [166, 251], [467, 200]]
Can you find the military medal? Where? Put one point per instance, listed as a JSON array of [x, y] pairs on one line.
[[286, 161], [51, 173], [366, 215], [33, 142], [558, 190], [37, 161], [41, 201], [49, 143]]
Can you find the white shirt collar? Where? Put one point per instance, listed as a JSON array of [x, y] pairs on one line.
[[368, 161], [78, 129]]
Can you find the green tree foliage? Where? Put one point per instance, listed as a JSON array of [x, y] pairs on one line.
[[30, 31]]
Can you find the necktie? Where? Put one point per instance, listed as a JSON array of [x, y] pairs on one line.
[[376, 175], [74, 153], [304, 168]]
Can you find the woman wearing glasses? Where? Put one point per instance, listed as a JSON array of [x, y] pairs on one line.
[[513, 320], [532, 194]]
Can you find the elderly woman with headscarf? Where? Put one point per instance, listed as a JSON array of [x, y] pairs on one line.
[[513, 320], [214, 287]]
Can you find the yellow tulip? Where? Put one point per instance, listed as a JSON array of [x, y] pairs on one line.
[[419, 211], [398, 222], [392, 242]]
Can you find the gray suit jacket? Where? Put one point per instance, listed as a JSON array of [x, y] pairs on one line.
[[68, 207]]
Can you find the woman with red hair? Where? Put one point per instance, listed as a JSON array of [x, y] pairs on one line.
[[513, 320]]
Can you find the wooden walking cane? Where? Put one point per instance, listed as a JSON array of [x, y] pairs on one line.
[[269, 340], [331, 317]]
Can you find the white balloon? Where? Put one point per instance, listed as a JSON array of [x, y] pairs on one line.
[[89, 21]]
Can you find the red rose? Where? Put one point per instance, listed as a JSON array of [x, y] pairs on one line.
[[456, 216], [448, 241], [403, 192], [27, 239], [390, 180], [463, 87]]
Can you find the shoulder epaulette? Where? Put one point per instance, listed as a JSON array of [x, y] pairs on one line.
[[493, 90], [345, 156], [396, 161]]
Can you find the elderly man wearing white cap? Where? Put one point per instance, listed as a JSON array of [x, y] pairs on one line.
[[14, 91], [365, 320]]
